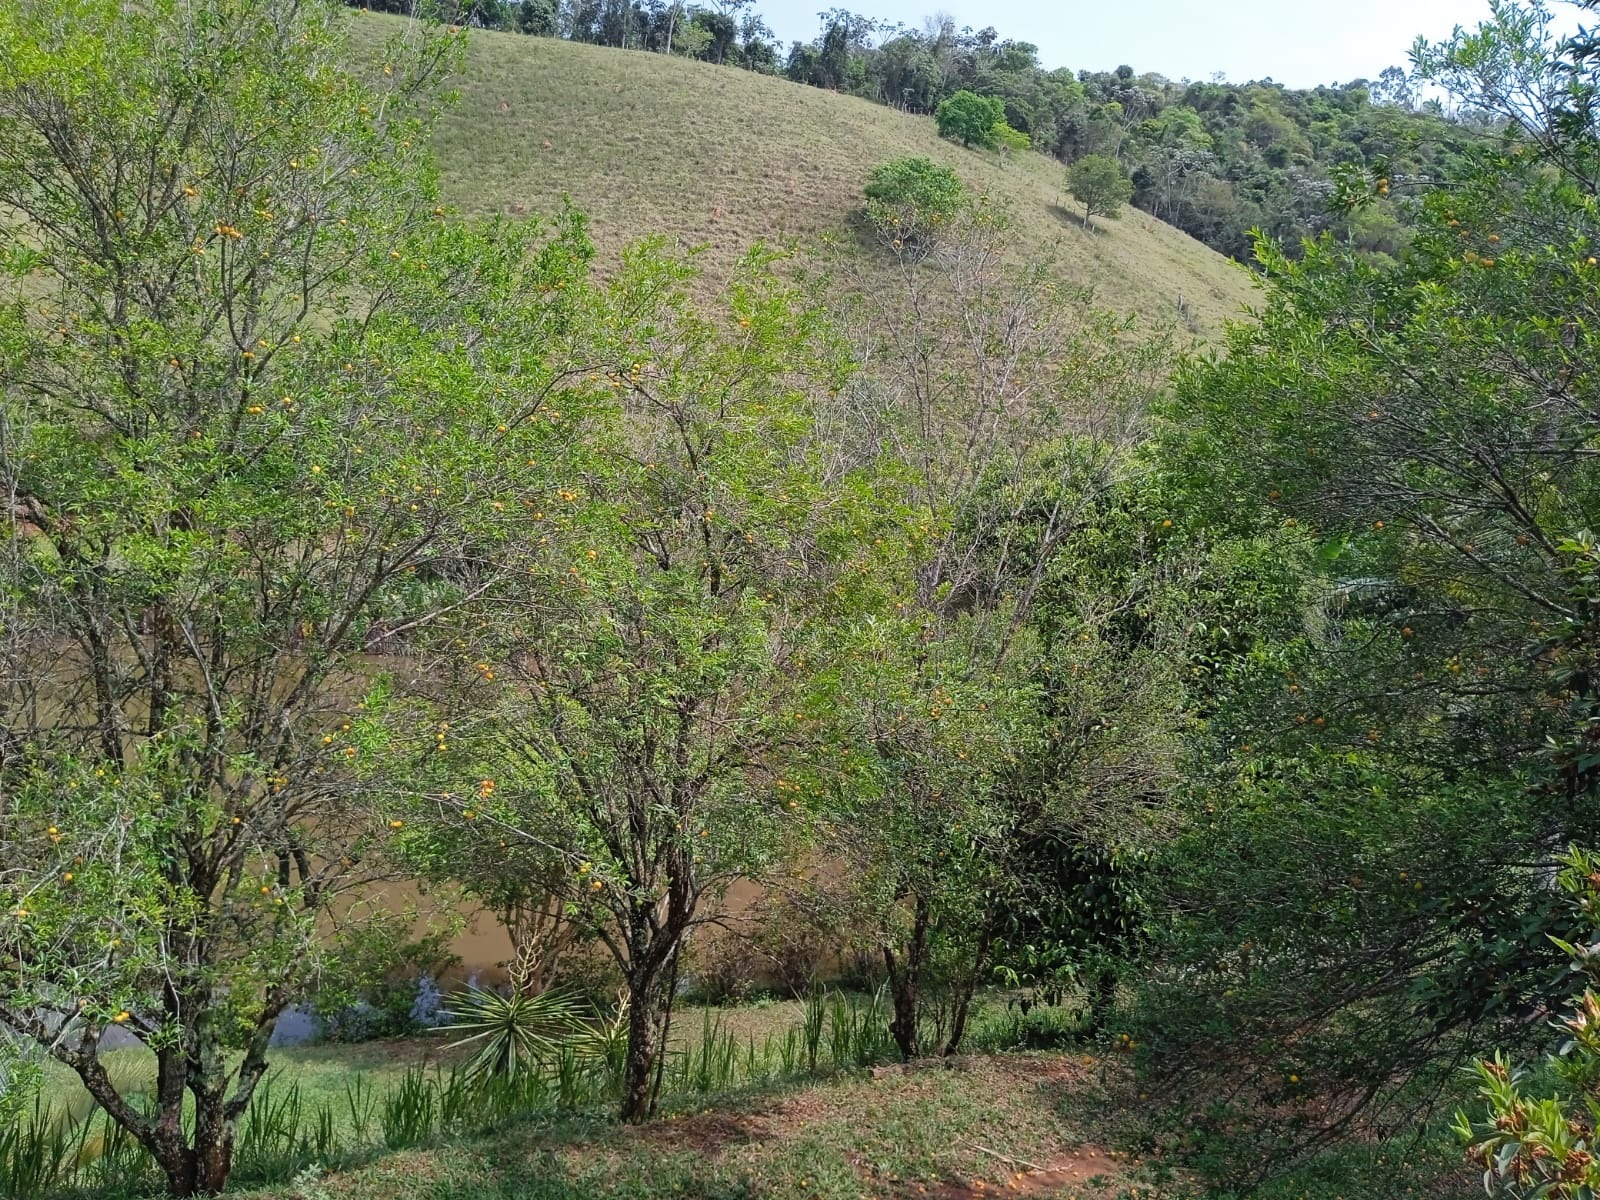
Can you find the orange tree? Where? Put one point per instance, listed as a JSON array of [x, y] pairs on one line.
[[624, 719], [257, 400]]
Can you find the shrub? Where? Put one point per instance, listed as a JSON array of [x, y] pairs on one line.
[[1027, 1023], [970, 119], [796, 947], [725, 971], [1009, 139], [916, 182], [908, 199], [370, 987], [591, 979], [1535, 1132]]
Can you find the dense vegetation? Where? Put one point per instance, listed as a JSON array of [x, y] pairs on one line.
[[1217, 159], [1232, 712]]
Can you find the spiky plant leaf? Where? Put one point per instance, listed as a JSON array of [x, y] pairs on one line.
[[513, 1032]]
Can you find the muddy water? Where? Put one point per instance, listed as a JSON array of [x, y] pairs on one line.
[[483, 945]]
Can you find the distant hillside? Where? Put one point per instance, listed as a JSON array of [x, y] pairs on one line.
[[1218, 160], [648, 143]]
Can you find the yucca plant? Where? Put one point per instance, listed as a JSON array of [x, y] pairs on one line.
[[514, 1033], [573, 1078], [605, 1040]]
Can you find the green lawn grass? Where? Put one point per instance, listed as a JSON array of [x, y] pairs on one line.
[[721, 157]]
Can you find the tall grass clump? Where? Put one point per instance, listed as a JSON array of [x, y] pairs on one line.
[[811, 1023], [38, 1152], [858, 1030], [280, 1136], [49, 1151], [409, 1113], [712, 1064]]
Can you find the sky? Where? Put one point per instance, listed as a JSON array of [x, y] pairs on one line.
[[1300, 43]]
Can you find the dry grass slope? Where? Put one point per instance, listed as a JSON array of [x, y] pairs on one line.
[[718, 156]]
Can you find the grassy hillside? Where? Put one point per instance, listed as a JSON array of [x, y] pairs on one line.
[[646, 143]]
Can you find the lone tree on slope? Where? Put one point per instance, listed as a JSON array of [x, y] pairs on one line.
[[1100, 185]]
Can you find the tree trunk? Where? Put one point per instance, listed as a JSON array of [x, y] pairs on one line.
[[905, 983], [903, 990], [1101, 997], [201, 1170], [203, 1167], [962, 1007], [639, 1070], [668, 1002], [178, 1164], [213, 1145], [168, 1142]]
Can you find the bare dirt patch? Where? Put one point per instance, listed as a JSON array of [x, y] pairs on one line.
[[1087, 1171], [706, 1133]]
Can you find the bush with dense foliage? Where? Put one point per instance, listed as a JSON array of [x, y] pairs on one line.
[[971, 119], [911, 198], [1396, 753]]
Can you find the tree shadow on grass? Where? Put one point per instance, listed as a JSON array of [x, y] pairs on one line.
[[1072, 217], [586, 1157]]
